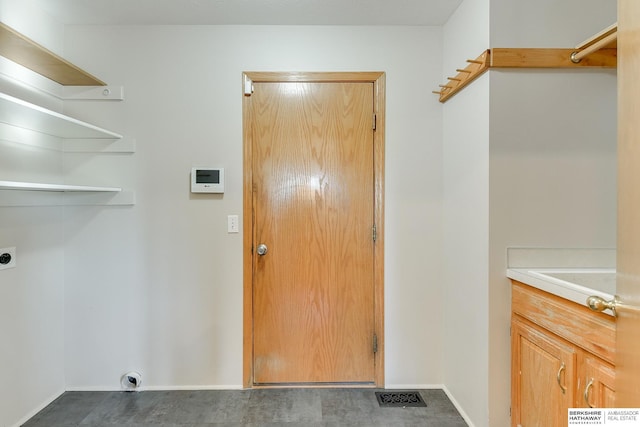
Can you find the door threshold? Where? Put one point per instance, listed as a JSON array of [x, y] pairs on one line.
[[314, 385]]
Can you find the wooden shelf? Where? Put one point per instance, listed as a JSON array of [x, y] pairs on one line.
[[17, 112], [34, 186], [550, 58], [599, 51], [28, 53]]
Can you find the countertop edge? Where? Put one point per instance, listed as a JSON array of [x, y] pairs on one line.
[[569, 291]]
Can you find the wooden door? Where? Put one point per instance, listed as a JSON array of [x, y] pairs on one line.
[[628, 284], [543, 377], [313, 209]]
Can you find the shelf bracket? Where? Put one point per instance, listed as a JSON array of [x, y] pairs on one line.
[[100, 93]]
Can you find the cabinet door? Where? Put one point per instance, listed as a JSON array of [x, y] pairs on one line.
[[596, 383], [543, 377]]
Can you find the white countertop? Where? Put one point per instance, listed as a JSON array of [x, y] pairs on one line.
[[573, 284]]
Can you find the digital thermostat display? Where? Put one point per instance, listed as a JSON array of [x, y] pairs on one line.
[[207, 180]]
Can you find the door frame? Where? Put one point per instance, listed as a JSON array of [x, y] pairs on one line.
[[378, 79]]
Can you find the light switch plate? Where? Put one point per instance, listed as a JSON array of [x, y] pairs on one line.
[[7, 258], [233, 225]]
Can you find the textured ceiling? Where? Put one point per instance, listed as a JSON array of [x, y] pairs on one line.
[[254, 12]]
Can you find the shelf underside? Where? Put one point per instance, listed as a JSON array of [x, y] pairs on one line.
[[34, 186]]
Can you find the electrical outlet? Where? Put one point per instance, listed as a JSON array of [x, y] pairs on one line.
[[7, 258]]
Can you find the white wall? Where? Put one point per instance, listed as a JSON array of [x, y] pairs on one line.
[[32, 294], [466, 216], [158, 287], [548, 23]]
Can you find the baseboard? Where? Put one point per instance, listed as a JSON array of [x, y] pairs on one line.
[[413, 386], [38, 408], [453, 400], [160, 388], [193, 387]]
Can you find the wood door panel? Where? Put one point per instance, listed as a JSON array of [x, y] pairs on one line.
[[313, 208]]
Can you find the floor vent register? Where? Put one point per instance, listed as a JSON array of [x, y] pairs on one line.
[[400, 399]]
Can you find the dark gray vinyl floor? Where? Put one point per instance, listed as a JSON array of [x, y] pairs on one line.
[[256, 407]]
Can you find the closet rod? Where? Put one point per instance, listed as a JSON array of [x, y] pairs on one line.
[[578, 55]]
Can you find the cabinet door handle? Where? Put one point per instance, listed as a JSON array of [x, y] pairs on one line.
[[559, 377], [587, 390]]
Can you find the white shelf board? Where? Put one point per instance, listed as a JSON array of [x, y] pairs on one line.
[[33, 186], [11, 198], [17, 112], [124, 145]]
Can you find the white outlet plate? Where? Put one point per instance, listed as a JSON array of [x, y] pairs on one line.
[[11, 251]]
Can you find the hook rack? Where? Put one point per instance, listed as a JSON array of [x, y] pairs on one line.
[[465, 76]]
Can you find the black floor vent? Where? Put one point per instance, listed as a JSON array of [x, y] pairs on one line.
[[400, 399]]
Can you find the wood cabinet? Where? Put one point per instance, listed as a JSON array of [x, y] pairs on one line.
[[596, 382], [543, 372], [562, 357]]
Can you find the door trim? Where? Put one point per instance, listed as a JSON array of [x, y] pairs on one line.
[[379, 89]]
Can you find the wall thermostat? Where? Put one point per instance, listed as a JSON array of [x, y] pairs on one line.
[[207, 180]]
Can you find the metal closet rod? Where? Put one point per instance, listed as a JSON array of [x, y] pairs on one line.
[[578, 55], [605, 38]]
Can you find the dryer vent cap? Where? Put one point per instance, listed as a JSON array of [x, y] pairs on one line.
[[131, 381]]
